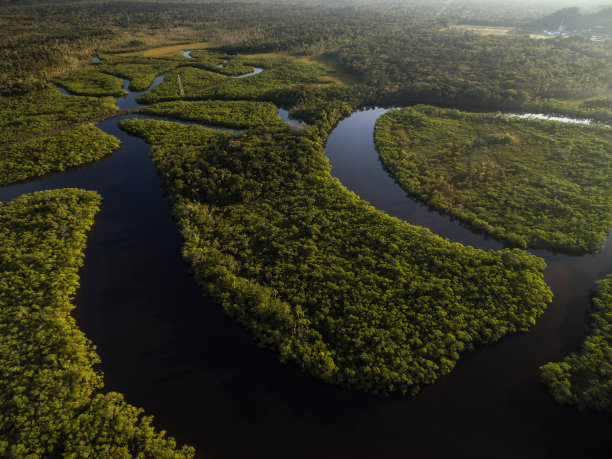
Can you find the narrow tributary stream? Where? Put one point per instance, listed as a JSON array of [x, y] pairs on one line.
[[173, 352]]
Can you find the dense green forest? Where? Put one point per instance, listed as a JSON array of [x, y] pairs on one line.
[[349, 294], [235, 114], [51, 398], [139, 70], [451, 67], [584, 378], [353, 296], [535, 183], [181, 83], [263, 86], [403, 54], [55, 153], [91, 83], [45, 111]]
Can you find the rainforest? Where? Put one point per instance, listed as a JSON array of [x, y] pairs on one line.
[[223, 220]]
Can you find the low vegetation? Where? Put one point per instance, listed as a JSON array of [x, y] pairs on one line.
[[38, 112], [51, 399], [267, 85], [584, 378], [220, 63], [36, 157], [141, 71], [235, 114], [353, 296], [182, 83], [91, 83], [533, 183]]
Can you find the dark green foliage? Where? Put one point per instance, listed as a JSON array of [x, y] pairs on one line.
[[353, 296], [534, 183], [91, 83], [32, 158], [424, 65], [50, 405], [44, 111], [141, 71], [584, 378], [185, 82], [237, 114]]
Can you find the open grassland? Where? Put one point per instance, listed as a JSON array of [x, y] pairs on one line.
[[484, 30]]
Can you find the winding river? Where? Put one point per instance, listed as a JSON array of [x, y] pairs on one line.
[[173, 352]]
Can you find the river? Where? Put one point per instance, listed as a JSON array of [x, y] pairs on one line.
[[176, 354]]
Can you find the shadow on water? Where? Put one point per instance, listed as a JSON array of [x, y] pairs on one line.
[[173, 352]]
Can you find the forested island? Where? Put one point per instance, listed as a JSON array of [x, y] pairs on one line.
[[583, 378], [51, 399], [290, 255], [535, 183], [336, 288]]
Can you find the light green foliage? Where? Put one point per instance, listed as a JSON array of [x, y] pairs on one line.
[[182, 83], [141, 71], [353, 296], [49, 401], [237, 114], [154, 131], [220, 63], [597, 110], [91, 83], [266, 85], [32, 158], [43, 111], [534, 183], [584, 378]]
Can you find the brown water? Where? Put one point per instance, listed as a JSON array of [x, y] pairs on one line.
[[173, 352]]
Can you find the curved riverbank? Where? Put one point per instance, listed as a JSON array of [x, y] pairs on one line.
[[170, 350]]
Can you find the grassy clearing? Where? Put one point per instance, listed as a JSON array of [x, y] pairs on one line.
[[334, 72], [484, 30], [167, 51]]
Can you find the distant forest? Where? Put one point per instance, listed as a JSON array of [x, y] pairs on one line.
[[347, 293]]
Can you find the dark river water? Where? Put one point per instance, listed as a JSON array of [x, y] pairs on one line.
[[176, 354]]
